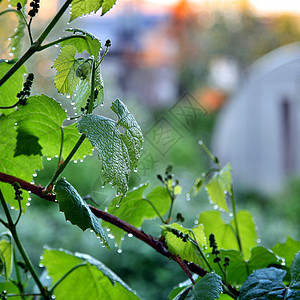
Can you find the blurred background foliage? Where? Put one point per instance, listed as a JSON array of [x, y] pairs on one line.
[[174, 66]]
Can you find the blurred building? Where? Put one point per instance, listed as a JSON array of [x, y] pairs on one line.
[[258, 130]]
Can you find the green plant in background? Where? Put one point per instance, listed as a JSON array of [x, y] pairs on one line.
[[220, 255]]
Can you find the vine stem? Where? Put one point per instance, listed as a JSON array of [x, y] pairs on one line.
[[155, 209], [19, 281], [156, 244], [12, 228], [238, 237], [92, 96], [35, 46], [61, 167]]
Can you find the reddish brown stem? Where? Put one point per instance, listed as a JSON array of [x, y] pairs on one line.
[[156, 244]]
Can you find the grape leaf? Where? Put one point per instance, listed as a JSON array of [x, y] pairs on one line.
[[14, 2], [16, 39], [267, 284], [6, 254], [208, 288], [66, 65], [133, 137], [287, 250], [42, 118], [10, 288], [93, 279], [83, 7], [225, 233], [219, 186], [22, 166], [10, 89], [76, 210], [295, 272], [185, 249], [83, 41], [134, 209], [239, 268], [74, 75], [118, 152]]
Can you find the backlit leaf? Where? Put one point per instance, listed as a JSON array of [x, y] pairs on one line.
[[6, 254], [92, 280], [22, 166], [83, 7], [225, 232], [10, 89], [219, 186], [287, 250], [185, 249]]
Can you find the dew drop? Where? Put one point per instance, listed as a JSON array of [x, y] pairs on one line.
[[41, 265], [34, 175], [53, 296], [196, 222], [130, 235], [56, 45], [230, 215], [258, 241], [48, 277], [12, 207], [200, 142], [13, 48], [11, 54], [73, 103], [103, 246], [16, 123], [108, 229], [216, 206], [28, 204], [41, 257], [68, 118], [117, 205], [29, 199], [48, 158], [102, 186], [119, 251], [102, 104], [206, 189], [75, 161], [188, 196], [6, 60], [135, 170]]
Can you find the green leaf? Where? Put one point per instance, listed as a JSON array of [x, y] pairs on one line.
[[219, 186], [287, 250], [295, 272], [41, 119], [208, 288], [66, 65], [16, 39], [93, 279], [83, 7], [10, 288], [225, 233], [107, 5], [14, 2], [22, 166], [134, 209], [239, 268], [76, 210], [185, 249], [6, 254], [132, 137], [267, 284], [83, 41], [74, 75], [10, 89], [118, 152]]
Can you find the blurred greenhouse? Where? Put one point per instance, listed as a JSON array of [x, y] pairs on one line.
[[178, 66]]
